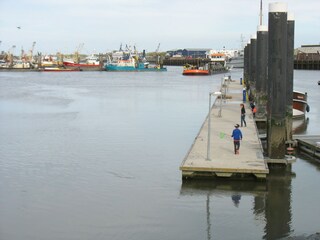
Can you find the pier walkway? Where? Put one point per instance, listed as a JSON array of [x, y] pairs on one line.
[[222, 161]]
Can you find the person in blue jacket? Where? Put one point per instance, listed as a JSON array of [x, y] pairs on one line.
[[237, 137]]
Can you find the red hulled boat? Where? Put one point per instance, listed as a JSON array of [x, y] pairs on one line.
[[195, 72], [86, 65], [57, 69]]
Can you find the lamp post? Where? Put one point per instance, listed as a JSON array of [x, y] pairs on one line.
[[209, 122]]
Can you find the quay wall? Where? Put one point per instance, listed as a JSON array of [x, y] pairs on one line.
[[307, 64], [184, 61]]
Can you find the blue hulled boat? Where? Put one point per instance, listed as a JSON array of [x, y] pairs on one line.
[[140, 67], [131, 63]]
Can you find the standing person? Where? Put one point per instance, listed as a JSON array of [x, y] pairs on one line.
[[237, 136], [254, 110], [243, 115]]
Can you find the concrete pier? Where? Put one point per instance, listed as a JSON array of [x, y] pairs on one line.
[[222, 162]]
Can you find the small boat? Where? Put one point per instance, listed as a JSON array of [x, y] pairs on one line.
[[194, 70], [300, 104], [319, 82], [58, 69]]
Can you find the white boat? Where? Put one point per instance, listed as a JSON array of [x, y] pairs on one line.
[[237, 62], [90, 62], [218, 58]]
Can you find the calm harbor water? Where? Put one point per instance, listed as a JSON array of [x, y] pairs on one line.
[[96, 155]]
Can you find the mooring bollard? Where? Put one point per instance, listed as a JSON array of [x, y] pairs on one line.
[[244, 95]]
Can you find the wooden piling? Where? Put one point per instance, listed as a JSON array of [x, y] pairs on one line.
[[248, 80], [289, 94], [253, 60], [277, 77], [262, 71], [246, 64]]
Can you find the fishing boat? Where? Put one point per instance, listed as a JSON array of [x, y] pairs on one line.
[[130, 62], [49, 61], [300, 104], [90, 62]]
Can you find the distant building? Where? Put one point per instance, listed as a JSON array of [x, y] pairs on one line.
[[307, 52], [189, 52]]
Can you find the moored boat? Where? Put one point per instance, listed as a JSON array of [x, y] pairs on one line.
[[90, 62], [195, 70], [132, 64], [73, 64], [300, 104], [219, 58], [58, 69], [130, 61]]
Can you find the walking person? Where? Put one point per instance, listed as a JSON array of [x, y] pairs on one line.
[[243, 115], [237, 137]]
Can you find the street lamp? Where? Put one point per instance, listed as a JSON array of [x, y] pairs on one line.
[[209, 121]]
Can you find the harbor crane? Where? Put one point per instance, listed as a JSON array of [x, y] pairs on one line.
[[31, 52], [77, 53], [157, 50], [10, 55]]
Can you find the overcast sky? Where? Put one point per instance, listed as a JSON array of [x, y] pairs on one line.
[[62, 25]]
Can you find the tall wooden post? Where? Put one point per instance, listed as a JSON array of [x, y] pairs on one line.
[[253, 60], [277, 78], [290, 26], [249, 64], [262, 71], [246, 64]]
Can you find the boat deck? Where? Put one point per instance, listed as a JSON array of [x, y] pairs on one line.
[[222, 161]]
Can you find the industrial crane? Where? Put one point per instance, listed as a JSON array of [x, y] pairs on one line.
[[77, 53], [157, 55], [157, 50], [10, 55], [31, 52]]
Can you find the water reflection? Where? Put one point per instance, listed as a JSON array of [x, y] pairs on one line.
[[236, 199], [271, 200]]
